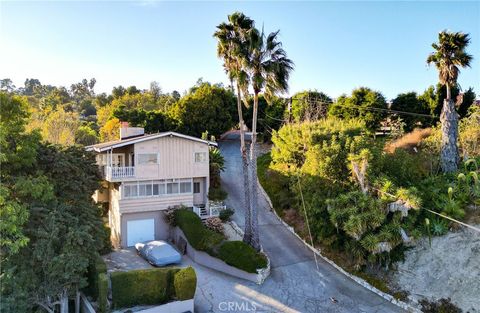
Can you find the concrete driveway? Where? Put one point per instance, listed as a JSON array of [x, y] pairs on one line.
[[294, 285]]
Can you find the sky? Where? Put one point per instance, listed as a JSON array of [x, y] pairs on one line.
[[336, 46]]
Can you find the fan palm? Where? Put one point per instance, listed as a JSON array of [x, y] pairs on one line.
[[448, 56], [233, 48], [268, 69]]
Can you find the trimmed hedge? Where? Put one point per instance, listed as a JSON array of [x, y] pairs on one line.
[[185, 282], [197, 234], [234, 253], [136, 287], [242, 256], [95, 268], [102, 293]]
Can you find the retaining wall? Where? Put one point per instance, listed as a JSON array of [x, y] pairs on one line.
[[209, 261]]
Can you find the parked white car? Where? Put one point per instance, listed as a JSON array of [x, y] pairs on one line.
[[158, 253]]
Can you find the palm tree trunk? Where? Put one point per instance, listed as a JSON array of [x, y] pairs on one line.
[[243, 150], [255, 239], [449, 151]]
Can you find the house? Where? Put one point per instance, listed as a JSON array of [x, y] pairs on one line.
[[146, 174]]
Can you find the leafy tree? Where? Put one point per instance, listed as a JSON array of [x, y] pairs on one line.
[[17, 153], [50, 227], [30, 85], [364, 103], [434, 97], [60, 127], [118, 92], [410, 102], [151, 121], [110, 131], [132, 90], [86, 136], [309, 106], [448, 56], [7, 85], [271, 116], [208, 108], [468, 98]]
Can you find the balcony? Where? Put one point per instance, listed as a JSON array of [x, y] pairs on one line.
[[115, 173]]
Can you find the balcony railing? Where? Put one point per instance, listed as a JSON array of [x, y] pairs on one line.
[[211, 211], [116, 173]]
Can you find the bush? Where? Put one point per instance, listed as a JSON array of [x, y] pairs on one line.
[[197, 235], [226, 214], [242, 256], [96, 267], [215, 224], [185, 282], [234, 253], [142, 287], [217, 194], [102, 292], [107, 244], [441, 306]]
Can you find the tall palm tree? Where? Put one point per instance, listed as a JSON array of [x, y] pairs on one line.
[[269, 69], [448, 56], [232, 48]]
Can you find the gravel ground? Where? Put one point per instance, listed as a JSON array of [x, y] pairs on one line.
[[450, 268]]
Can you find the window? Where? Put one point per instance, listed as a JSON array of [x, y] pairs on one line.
[[157, 188], [200, 157], [130, 191], [145, 190], [172, 188], [196, 187], [185, 187], [147, 158]]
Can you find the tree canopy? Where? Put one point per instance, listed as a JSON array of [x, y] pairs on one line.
[[364, 104]]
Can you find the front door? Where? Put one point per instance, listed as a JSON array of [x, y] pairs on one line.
[[198, 191]]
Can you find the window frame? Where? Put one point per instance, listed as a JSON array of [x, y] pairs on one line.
[[147, 187], [139, 162], [200, 153]]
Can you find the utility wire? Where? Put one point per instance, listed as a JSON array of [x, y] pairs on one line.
[[436, 213], [306, 219]]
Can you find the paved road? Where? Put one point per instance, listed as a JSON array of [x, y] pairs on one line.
[[294, 284]]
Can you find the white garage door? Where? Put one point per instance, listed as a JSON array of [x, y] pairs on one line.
[[139, 231]]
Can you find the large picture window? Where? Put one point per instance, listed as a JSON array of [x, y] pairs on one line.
[[156, 188], [147, 158]]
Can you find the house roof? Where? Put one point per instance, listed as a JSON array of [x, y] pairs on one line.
[[104, 146]]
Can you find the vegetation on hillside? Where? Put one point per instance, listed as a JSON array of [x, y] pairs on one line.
[[51, 229], [364, 196]]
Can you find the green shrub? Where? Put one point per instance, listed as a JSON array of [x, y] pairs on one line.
[[107, 244], [102, 293], [142, 287], [217, 194], [234, 253], [439, 227], [226, 214], [185, 282], [197, 234], [96, 267], [242, 256]]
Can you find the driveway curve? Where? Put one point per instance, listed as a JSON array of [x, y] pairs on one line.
[[294, 284]]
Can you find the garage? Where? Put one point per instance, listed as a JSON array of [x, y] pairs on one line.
[[140, 230]]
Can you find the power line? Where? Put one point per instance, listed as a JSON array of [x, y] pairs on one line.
[[439, 214]]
